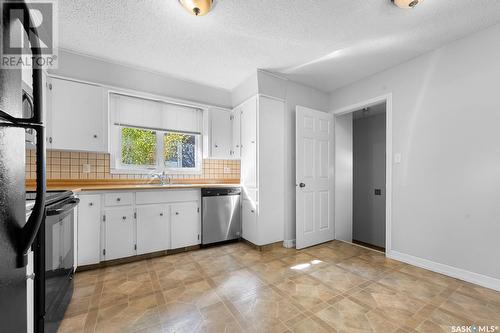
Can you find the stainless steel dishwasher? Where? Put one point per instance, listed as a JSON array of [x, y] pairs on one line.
[[221, 214]]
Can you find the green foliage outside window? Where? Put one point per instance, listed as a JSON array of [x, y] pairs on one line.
[[179, 150], [138, 146]]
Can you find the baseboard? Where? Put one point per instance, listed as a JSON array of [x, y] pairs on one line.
[[289, 243], [458, 273]]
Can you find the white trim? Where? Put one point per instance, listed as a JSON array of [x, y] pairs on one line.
[[458, 273], [289, 243], [387, 98]]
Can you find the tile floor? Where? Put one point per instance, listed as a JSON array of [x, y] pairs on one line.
[[333, 287]]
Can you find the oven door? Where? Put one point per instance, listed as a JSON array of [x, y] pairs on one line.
[[59, 260]]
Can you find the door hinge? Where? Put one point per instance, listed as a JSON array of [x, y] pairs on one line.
[[104, 218], [103, 252], [135, 215], [198, 236]]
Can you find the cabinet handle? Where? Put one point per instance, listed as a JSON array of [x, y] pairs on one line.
[[118, 199], [237, 146], [252, 211], [50, 139], [176, 213], [95, 136], [124, 217], [91, 204], [216, 146], [161, 214]]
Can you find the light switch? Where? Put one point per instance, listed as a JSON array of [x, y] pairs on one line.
[[397, 158], [86, 168]]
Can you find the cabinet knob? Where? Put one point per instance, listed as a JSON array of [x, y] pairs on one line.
[[95, 136], [50, 139], [118, 199], [216, 146], [253, 211], [176, 213], [161, 214], [91, 204], [237, 146], [124, 217]]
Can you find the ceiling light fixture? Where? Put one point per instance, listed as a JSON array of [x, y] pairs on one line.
[[197, 7], [407, 3]]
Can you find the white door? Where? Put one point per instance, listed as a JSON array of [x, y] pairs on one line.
[[185, 224], [89, 226], [314, 177], [120, 227], [153, 228]]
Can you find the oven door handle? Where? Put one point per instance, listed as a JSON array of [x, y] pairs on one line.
[[67, 207]]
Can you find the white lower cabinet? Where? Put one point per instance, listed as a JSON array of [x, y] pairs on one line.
[[153, 228], [120, 240], [249, 221], [140, 222], [89, 226], [185, 224]]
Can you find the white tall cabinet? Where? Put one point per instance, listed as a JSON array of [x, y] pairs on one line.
[[262, 169]]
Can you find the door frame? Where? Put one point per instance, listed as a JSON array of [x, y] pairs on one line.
[[387, 98]]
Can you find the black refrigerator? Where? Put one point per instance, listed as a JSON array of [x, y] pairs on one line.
[[17, 234]]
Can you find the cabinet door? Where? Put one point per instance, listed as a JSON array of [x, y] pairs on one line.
[[153, 228], [221, 130], [185, 224], [120, 227], [249, 144], [89, 231], [236, 143], [78, 116], [249, 221]]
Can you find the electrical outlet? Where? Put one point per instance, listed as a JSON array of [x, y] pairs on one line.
[[86, 168]]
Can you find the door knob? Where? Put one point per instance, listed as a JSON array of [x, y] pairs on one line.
[[302, 185]]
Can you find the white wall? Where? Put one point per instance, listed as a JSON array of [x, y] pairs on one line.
[[343, 177], [368, 214], [294, 94], [104, 72], [446, 119]]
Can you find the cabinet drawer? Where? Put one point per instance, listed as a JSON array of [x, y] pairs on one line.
[[118, 199], [166, 196]]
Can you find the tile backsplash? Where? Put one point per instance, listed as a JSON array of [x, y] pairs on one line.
[[70, 165]]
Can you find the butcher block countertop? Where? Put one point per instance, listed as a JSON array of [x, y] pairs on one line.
[[111, 185]]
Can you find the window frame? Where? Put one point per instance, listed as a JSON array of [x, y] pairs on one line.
[[119, 168]]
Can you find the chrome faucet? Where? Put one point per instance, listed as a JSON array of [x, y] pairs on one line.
[[163, 177]]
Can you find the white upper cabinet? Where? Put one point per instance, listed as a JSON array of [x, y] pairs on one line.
[[249, 144], [221, 133], [78, 116], [236, 137]]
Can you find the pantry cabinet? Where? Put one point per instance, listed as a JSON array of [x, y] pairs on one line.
[[78, 115], [262, 169]]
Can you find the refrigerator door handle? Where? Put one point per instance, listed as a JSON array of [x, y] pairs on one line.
[[30, 229]]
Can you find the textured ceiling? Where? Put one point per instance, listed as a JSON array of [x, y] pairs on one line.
[[323, 43]]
